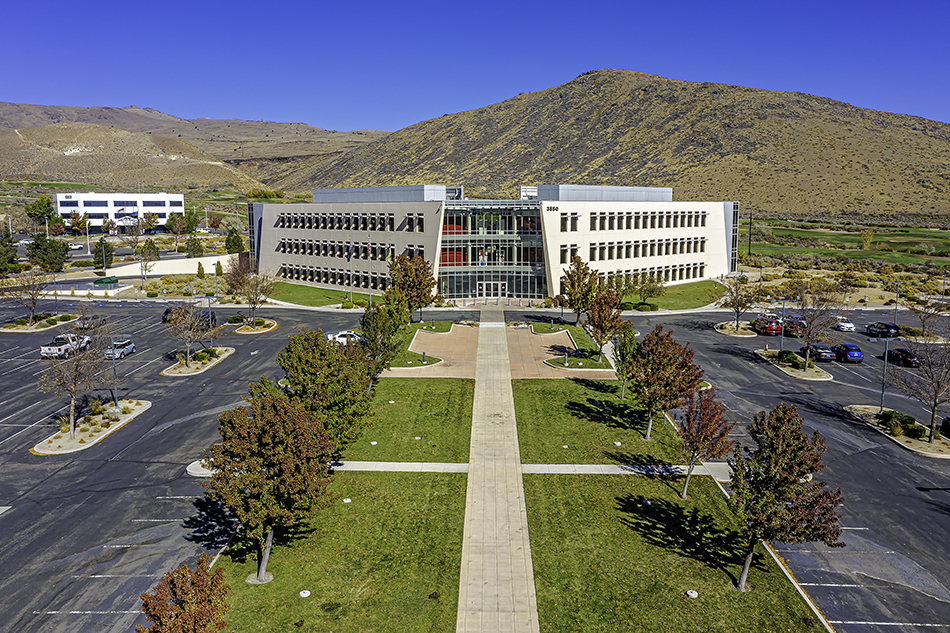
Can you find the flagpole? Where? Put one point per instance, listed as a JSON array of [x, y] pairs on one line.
[[351, 272], [369, 265]]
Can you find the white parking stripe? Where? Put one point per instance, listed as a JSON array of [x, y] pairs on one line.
[[20, 412], [144, 366], [3, 441], [866, 623], [84, 612], [837, 364], [826, 584]]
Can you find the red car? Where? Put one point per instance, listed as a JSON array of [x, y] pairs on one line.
[[795, 328], [767, 326]]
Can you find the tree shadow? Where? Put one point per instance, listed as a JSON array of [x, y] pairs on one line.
[[697, 325], [737, 351], [610, 413], [212, 525], [686, 531], [648, 466], [600, 386]]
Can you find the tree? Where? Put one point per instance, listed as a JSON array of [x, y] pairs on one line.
[[41, 210], [177, 226], [26, 289], [8, 253], [580, 287], [78, 223], [190, 324], [624, 350], [201, 271], [255, 288], [381, 325], [109, 227], [187, 600], [149, 255], [648, 286], [704, 431], [218, 271], [194, 247], [270, 469], [818, 307], [413, 276], [56, 227], [234, 243], [333, 381], [149, 223], [238, 269], [50, 255], [102, 254], [930, 383], [603, 319], [214, 222], [774, 494], [74, 374], [663, 373], [192, 219], [867, 236], [739, 297], [133, 233]]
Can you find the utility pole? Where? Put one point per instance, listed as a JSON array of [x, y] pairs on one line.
[[751, 214]]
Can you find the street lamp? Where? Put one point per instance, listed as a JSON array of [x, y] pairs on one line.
[[884, 370], [897, 297]]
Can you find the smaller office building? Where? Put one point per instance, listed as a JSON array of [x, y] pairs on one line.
[[520, 248], [122, 208]]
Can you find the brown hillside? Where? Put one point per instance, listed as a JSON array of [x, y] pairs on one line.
[[786, 154], [86, 153]]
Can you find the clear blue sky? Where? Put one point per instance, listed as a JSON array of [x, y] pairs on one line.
[[386, 65]]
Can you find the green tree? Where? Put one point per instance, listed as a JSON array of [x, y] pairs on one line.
[[234, 243], [603, 319], [413, 276], [381, 325], [194, 247], [149, 223], [218, 271], [149, 254], [663, 373], [739, 297], [102, 254], [649, 286], [187, 600], [270, 468], [41, 209], [7, 253], [580, 286], [177, 226], [192, 219], [624, 349], [332, 380], [78, 223], [704, 431], [774, 493], [201, 271], [50, 255]]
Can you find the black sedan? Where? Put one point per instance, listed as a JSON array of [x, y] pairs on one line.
[[848, 353], [882, 330], [90, 322], [818, 352], [903, 357]]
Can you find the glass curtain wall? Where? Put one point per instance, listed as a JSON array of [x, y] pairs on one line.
[[492, 249]]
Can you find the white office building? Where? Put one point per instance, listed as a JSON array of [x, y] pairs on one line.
[[122, 208], [345, 238]]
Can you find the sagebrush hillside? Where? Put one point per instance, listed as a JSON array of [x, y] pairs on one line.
[[782, 154]]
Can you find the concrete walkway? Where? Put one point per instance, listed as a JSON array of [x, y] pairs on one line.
[[496, 588]]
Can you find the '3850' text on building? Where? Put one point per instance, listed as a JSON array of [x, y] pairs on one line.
[[345, 238]]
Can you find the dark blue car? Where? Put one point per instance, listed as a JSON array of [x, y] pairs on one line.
[[848, 353]]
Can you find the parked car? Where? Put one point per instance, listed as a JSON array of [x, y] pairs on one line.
[[120, 349], [75, 246], [903, 357], [767, 326], [844, 324], [205, 318], [848, 353], [346, 337], [819, 352], [25, 242], [64, 345], [90, 321], [794, 327], [882, 330]]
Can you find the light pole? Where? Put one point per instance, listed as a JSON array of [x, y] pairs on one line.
[[944, 294], [897, 297], [884, 370]]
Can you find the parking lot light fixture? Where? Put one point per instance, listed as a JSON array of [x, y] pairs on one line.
[[897, 297]]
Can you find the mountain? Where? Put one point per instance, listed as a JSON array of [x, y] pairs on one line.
[[106, 156], [779, 154]]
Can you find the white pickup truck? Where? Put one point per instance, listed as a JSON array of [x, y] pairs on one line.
[[64, 345]]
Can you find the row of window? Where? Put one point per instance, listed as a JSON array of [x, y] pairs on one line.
[[681, 272], [120, 203], [373, 252], [334, 277], [618, 221], [517, 222], [102, 216], [629, 250], [346, 222]]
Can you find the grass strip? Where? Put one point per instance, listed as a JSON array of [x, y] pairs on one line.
[[387, 561], [606, 561], [405, 358], [310, 296], [438, 410], [587, 416]]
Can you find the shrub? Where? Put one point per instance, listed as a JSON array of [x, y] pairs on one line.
[[97, 428], [65, 317], [64, 427], [84, 429], [361, 303], [212, 352], [106, 424], [82, 263], [82, 441], [151, 294], [138, 404], [186, 293], [259, 323], [346, 305], [114, 418], [21, 321], [52, 321], [237, 318], [126, 410], [87, 419], [209, 294], [916, 432], [907, 330]]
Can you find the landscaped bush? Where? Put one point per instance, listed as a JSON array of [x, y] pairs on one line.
[[21, 321], [96, 407], [82, 263], [186, 293], [907, 330], [361, 303], [65, 317], [200, 357], [237, 318], [259, 323], [151, 294], [899, 424], [126, 410], [52, 321], [346, 305]]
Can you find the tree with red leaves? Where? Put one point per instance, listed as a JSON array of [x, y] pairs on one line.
[[603, 319], [270, 470], [187, 601], [704, 430], [774, 495], [662, 373]]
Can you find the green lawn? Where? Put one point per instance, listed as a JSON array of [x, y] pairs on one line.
[[588, 357], [310, 296], [898, 257], [439, 410], [370, 565], [689, 296], [605, 561], [405, 358], [587, 416]]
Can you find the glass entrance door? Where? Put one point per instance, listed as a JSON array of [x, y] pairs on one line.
[[492, 289]]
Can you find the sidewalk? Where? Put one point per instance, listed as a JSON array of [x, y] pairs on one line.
[[496, 587]]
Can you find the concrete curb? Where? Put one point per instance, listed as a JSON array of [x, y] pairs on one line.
[[760, 354], [36, 450], [893, 439], [227, 352]]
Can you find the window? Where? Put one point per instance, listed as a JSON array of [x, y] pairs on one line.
[[636, 221], [420, 226], [410, 223], [573, 251], [564, 250], [629, 221], [702, 245], [652, 220], [125, 203], [563, 223], [175, 203], [627, 249], [593, 222], [603, 222], [653, 247], [593, 252], [636, 249], [95, 203], [153, 203], [69, 203], [669, 220], [612, 222], [574, 222], [610, 251], [703, 219], [602, 251], [689, 220]]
